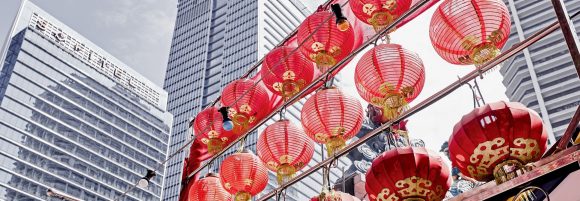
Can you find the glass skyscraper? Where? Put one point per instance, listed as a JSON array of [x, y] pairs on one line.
[[542, 76], [74, 119], [214, 43]]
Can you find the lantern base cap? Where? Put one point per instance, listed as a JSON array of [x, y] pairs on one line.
[[285, 172], [242, 196], [335, 144]]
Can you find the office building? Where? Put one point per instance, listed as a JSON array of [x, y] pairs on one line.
[[214, 43], [73, 118], [542, 76]]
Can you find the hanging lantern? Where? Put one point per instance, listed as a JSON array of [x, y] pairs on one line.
[[333, 195], [286, 71], [408, 173], [331, 117], [208, 128], [328, 45], [285, 149], [469, 31], [389, 76], [379, 13], [246, 101], [243, 175], [208, 189], [496, 141]]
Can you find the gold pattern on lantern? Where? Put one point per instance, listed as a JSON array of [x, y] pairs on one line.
[[369, 8], [289, 86], [334, 143], [392, 101], [317, 47], [526, 150], [242, 196], [485, 155], [241, 120], [415, 187], [212, 134], [385, 195], [390, 5], [285, 172], [227, 185], [286, 159], [248, 182], [321, 137], [479, 51]]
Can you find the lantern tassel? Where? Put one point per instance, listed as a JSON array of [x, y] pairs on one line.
[[285, 172], [334, 144]]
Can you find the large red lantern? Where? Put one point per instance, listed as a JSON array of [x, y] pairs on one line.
[[285, 149], [497, 137], [243, 175], [208, 189], [286, 71], [389, 76], [331, 117], [379, 13], [408, 173], [328, 45], [469, 31], [246, 101], [208, 128]]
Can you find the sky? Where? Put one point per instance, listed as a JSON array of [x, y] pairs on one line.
[[139, 32]]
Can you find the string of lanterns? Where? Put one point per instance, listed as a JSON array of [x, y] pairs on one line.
[[497, 140]]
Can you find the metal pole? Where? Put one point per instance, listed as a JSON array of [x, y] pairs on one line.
[[569, 34], [422, 105], [563, 143], [322, 77]]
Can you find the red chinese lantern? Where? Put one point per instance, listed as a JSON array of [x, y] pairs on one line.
[[331, 117], [208, 189], [408, 173], [285, 149], [389, 76], [243, 175], [335, 196], [246, 101], [286, 71], [208, 128], [379, 13], [328, 45], [469, 31], [495, 140]]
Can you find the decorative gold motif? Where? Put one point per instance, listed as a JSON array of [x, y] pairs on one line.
[[248, 182], [285, 172], [485, 155], [334, 143], [288, 88], [227, 185], [417, 188], [481, 51], [526, 150], [242, 196], [392, 101], [506, 170], [385, 195], [390, 5], [321, 137], [317, 47], [369, 8], [241, 119]]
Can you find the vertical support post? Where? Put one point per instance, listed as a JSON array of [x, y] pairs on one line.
[[569, 34]]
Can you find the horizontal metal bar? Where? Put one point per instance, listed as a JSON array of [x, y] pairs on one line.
[[322, 77], [422, 105]]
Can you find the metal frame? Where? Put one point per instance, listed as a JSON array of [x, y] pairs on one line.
[[563, 21]]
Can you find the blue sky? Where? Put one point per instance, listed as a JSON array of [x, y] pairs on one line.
[[139, 32]]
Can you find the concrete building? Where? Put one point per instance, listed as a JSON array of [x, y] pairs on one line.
[[542, 77], [214, 43], [73, 118]]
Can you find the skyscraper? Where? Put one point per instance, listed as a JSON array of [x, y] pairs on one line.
[[542, 76], [73, 118], [214, 43]]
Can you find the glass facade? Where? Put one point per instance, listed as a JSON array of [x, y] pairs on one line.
[[214, 43], [70, 128], [542, 76]]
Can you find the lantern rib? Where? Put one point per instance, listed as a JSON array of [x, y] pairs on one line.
[[425, 103]]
